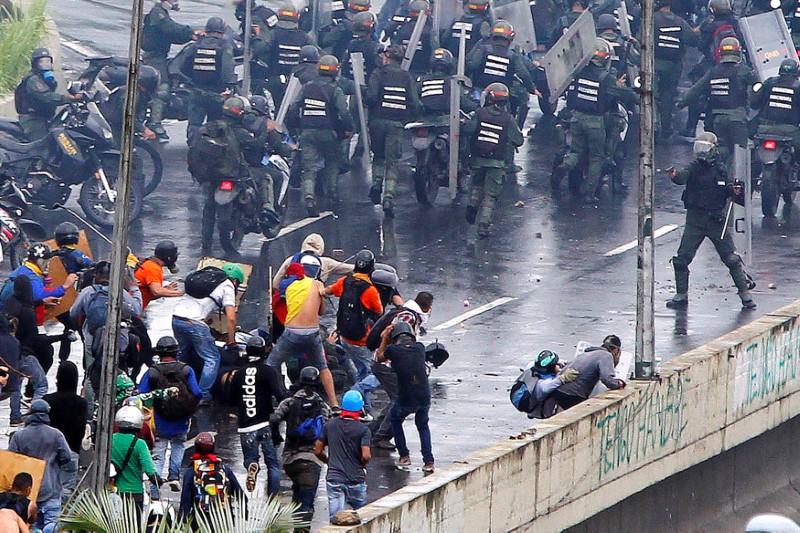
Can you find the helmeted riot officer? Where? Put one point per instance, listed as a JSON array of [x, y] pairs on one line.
[[208, 62], [36, 99], [722, 23], [476, 23], [708, 190], [490, 134], [281, 53], [428, 41], [392, 101], [335, 37], [363, 42], [434, 87], [160, 32], [673, 37], [778, 102], [577, 7], [620, 49], [726, 86], [307, 70], [321, 114]]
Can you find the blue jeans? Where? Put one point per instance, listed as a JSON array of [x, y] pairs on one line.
[[340, 495], [361, 357], [191, 334], [175, 458], [29, 366], [250, 445], [48, 512], [69, 478], [291, 344], [398, 414], [365, 387]]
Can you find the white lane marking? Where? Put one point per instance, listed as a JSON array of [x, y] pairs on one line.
[[660, 232], [475, 312], [294, 226], [80, 49]]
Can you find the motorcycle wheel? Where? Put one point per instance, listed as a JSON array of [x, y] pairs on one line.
[[95, 203], [152, 165], [230, 235], [425, 183], [770, 196]]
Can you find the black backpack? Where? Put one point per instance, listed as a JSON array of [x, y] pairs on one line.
[[179, 407], [522, 396], [201, 283], [304, 422], [351, 317], [215, 152]]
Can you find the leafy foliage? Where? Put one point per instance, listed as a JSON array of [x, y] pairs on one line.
[[20, 33]]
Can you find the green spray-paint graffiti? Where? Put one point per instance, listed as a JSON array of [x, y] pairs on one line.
[[637, 430], [766, 366]]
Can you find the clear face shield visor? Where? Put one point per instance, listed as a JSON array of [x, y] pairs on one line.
[[44, 63], [703, 148]]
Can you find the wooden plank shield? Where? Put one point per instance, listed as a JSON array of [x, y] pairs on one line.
[[58, 274], [218, 323], [12, 464]]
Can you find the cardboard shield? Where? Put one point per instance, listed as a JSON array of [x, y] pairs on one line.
[[413, 42], [12, 464], [768, 42], [359, 79], [58, 274], [518, 14], [289, 97], [571, 53], [218, 323]]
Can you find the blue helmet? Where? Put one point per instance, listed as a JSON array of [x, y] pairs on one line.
[[352, 401]]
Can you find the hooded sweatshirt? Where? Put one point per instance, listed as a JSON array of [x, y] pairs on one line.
[[22, 307], [9, 355], [68, 411], [593, 365], [314, 243], [37, 439]]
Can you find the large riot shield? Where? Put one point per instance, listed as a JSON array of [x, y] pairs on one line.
[[518, 13], [625, 30], [291, 94], [742, 216], [322, 15], [455, 115], [359, 80], [571, 53], [413, 42], [445, 12], [768, 42]]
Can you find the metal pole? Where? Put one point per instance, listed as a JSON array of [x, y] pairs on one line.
[[248, 22], [119, 252], [645, 338]]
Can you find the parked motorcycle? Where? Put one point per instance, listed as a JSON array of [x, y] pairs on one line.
[[79, 149], [779, 175], [431, 142], [15, 230]]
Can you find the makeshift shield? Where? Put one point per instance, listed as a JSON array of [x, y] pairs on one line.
[[12, 464], [413, 42], [359, 79], [219, 324], [518, 14], [289, 97], [743, 215], [58, 275], [768, 42], [572, 52]]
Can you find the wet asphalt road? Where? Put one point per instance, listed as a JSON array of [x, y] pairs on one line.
[[546, 255]]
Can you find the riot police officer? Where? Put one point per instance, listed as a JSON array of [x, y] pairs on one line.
[[428, 41], [577, 7], [476, 23], [708, 190], [307, 70], [721, 24], [334, 38], [673, 37], [727, 86], [321, 113], [209, 64], [778, 102], [434, 88], [392, 102], [159, 33], [363, 42], [490, 134], [36, 99], [624, 53]]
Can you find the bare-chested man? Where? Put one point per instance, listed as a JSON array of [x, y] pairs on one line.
[[304, 306]]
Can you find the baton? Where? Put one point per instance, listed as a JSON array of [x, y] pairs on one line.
[[727, 219]]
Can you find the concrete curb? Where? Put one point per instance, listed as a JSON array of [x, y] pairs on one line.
[[53, 43]]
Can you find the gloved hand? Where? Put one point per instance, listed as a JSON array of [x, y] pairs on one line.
[[622, 384], [568, 375]]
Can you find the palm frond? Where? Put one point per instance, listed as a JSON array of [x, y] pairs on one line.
[[272, 516]]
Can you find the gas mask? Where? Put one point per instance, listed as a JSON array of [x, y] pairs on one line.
[[705, 146], [44, 265], [50, 79]]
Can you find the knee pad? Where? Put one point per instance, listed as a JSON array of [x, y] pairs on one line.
[[732, 261]]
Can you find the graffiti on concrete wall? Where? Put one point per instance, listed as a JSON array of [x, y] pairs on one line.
[[640, 429]]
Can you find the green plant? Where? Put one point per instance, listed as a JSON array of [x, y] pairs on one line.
[[20, 33], [109, 513]]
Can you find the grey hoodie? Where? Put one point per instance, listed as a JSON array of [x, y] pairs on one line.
[[314, 243], [593, 365]]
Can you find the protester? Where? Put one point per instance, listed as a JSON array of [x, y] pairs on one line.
[[131, 457], [19, 366], [595, 364], [209, 481], [18, 498]]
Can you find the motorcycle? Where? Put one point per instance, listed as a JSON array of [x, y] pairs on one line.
[[279, 163], [779, 176], [431, 142], [238, 207], [15, 230], [79, 149]]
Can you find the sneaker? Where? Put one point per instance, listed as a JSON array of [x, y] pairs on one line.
[[383, 445], [15, 422], [403, 462], [366, 418], [174, 485], [311, 208], [252, 477], [748, 303], [161, 134], [205, 402], [428, 468], [678, 302]]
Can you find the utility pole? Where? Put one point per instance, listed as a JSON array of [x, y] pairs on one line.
[[248, 22], [119, 254], [645, 274]]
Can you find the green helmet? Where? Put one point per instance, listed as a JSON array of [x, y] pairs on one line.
[[364, 23], [236, 106], [730, 51], [497, 93], [359, 6], [503, 29], [720, 7], [125, 386], [328, 66], [234, 272]]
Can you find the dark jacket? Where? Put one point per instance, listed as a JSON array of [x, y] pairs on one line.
[[9, 355], [252, 390], [188, 490], [68, 411], [22, 307], [593, 365]]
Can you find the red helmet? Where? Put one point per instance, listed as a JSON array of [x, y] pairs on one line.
[[204, 443]]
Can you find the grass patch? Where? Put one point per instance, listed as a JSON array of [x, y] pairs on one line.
[[20, 33]]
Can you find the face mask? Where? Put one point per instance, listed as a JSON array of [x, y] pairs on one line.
[[49, 77], [174, 269]]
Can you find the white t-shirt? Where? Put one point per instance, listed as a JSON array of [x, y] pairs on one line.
[[200, 309]]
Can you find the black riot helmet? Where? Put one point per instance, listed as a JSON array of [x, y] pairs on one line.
[[149, 79], [720, 7], [309, 54], [365, 262], [359, 6], [546, 362], [478, 6], [102, 272], [216, 25], [788, 67], [166, 346], [606, 21], [260, 105], [66, 233], [256, 349], [309, 376], [167, 251], [417, 7], [442, 61], [42, 59]]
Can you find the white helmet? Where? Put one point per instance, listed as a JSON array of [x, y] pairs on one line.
[[129, 417], [772, 523]]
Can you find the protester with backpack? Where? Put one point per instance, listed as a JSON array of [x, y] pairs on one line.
[[252, 390], [208, 482], [209, 290], [131, 458], [313, 244], [304, 413], [531, 392], [173, 414]]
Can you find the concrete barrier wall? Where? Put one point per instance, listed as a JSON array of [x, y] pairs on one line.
[[585, 460]]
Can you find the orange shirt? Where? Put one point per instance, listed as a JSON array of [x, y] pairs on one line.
[[148, 272], [370, 299]]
